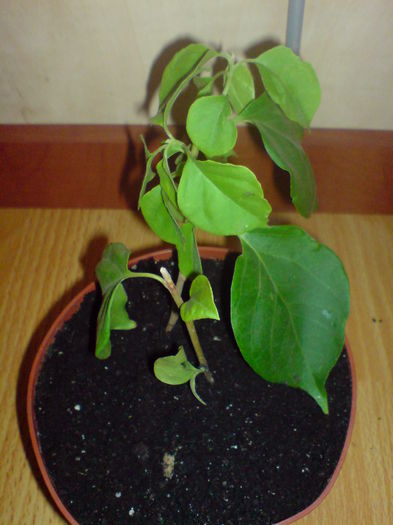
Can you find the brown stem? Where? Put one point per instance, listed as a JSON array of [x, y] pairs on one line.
[[170, 285]]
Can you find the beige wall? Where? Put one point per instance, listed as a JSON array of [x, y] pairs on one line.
[[88, 61]]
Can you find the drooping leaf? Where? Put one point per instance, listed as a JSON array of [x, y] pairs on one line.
[[112, 316], [183, 62], [209, 125], [201, 303], [289, 304], [187, 252], [241, 90], [291, 83], [158, 218], [282, 140], [111, 271], [149, 172], [165, 226], [177, 370], [223, 199], [113, 266], [168, 192]]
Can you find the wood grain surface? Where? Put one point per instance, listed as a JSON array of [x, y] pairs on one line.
[[47, 255], [102, 167]]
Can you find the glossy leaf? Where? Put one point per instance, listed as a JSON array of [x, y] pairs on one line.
[[183, 62], [209, 125], [291, 83], [282, 140], [289, 304], [223, 199], [241, 90], [111, 271], [201, 303]]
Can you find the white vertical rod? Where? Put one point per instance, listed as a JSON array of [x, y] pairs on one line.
[[294, 24]]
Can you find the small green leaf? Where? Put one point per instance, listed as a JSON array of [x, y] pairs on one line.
[[112, 316], [113, 267], [201, 303], [223, 199], [291, 83], [282, 139], [149, 172], [209, 125], [187, 251], [204, 85], [177, 370], [241, 89], [111, 271], [289, 305], [183, 62]]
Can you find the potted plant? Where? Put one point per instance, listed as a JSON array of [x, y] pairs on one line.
[[288, 294]]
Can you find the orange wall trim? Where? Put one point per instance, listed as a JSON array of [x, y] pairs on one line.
[[102, 167]]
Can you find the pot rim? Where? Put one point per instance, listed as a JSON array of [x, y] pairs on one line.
[[207, 252]]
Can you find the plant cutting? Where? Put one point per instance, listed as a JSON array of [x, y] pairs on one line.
[[258, 337], [289, 293]]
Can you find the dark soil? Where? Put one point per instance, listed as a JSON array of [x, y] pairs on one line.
[[123, 448]]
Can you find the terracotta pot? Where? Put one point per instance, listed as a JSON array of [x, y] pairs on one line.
[[71, 309]]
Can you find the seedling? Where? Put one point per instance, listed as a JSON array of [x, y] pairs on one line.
[[289, 293]]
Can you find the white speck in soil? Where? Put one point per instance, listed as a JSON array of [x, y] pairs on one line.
[[131, 512], [77, 408], [216, 338], [118, 494], [234, 447]]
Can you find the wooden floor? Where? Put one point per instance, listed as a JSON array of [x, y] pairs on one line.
[[47, 255]]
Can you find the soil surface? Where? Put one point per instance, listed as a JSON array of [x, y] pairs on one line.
[[123, 448]]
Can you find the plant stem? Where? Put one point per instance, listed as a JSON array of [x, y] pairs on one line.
[[170, 286], [174, 313]]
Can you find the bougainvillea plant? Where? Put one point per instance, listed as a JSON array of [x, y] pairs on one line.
[[289, 293]]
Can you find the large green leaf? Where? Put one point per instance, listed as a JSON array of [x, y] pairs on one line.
[[201, 303], [111, 271], [282, 140], [241, 89], [183, 62], [223, 199], [289, 304], [209, 125], [291, 83]]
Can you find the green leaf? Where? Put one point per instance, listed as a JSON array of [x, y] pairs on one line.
[[165, 226], [183, 62], [112, 316], [223, 199], [291, 83], [158, 218], [201, 303], [187, 251], [209, 126], [149, 172], [204, 85], [111, 271], [241, 89], [289, 305], [282, 140], [113, 267], [177, 370]]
